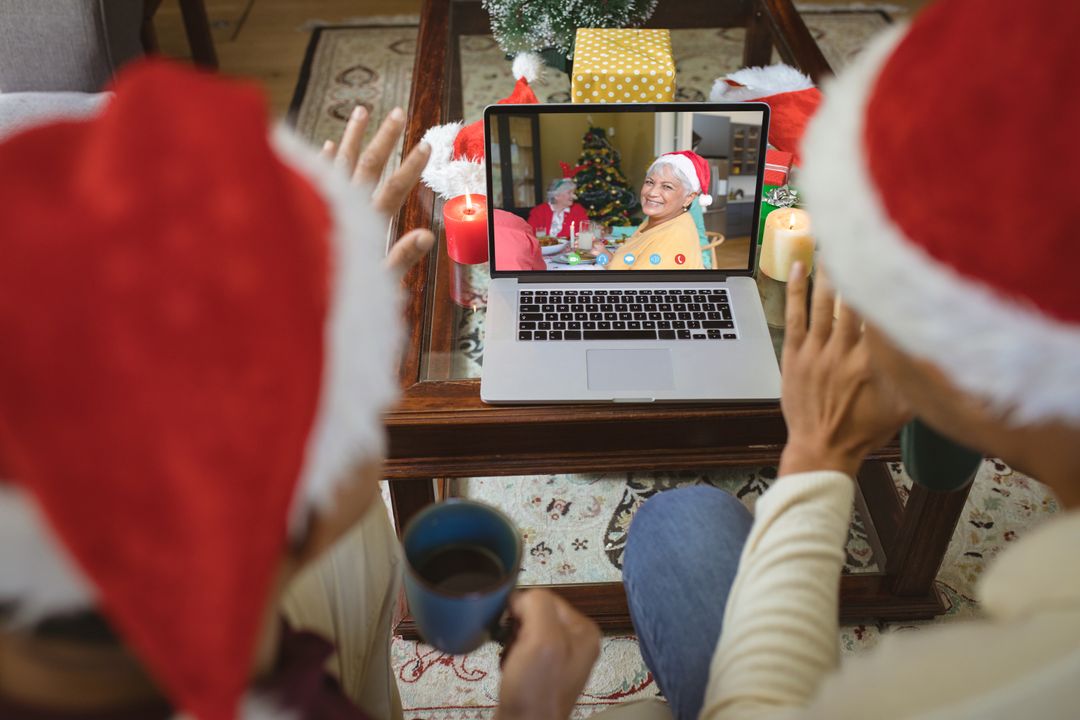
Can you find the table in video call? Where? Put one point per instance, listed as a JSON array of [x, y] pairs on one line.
[[441, 429]]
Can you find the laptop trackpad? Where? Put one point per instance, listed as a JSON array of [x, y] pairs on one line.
[[630, 369]]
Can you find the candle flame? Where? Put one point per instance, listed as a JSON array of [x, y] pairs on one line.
[[791, 221], [468, 202]]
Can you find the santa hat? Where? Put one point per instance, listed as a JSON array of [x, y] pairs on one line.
[[198, 341], [695, 168], [457, 150], [926, 189], [791, 96]]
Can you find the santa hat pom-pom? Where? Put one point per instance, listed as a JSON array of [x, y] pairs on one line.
[[757, 82], [704, 200], [528, 66]]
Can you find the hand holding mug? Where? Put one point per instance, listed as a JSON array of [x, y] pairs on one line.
[[553, 652]]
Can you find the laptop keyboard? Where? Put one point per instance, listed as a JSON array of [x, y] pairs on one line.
[[702, 314]]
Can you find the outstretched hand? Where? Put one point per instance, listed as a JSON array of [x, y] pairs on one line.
[[545, 668], [365, 166], [836, 407]]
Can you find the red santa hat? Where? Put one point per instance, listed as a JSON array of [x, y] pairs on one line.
[[457, 150], [198, 342], [695, 168], [791, 96], [969, 267]]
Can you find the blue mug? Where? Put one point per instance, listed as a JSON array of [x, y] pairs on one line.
[[462, 560]]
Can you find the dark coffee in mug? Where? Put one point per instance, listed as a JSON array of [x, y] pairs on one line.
[[462, 560], [462, 569]]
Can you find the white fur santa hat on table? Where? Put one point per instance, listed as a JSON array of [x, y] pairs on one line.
[[929, 194], [456, 166], [791, 96], [198, 343]]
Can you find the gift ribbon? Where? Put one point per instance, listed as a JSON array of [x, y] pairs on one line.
[[783, 196]]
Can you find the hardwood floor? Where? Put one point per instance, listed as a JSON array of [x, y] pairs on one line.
[[265, 39]]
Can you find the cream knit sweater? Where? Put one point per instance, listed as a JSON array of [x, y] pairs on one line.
[[778, 654]]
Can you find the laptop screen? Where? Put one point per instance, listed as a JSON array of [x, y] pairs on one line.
[[610, 187]]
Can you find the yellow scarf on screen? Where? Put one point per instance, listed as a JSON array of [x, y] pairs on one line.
[[674, 238]]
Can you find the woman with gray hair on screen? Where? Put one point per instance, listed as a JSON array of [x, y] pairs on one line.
[[555, 216], [668, 239]]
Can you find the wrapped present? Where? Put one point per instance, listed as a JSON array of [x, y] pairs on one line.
[[622, 65], [777, 167]]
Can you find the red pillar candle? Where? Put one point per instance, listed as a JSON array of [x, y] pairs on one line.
[[465, 221]]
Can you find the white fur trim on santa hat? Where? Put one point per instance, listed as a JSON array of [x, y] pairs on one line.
[[363, 335], [1023, 363], [686, 169], [528, 65], [36, 571], [759, 82], [448, 177]]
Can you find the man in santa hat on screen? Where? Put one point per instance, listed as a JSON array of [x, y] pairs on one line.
[[198, 336], [922, 171]]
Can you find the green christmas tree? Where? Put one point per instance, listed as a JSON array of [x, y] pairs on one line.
[[520, 25], [601, 186]]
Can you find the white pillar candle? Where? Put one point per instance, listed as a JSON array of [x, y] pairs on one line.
[[787, 239]]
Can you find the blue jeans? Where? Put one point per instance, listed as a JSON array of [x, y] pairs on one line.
[[680, 560]]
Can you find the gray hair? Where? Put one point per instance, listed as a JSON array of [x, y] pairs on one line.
[[679, 174], [557, 186]]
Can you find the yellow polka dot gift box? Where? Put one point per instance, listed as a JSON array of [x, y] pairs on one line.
[[617, 65]]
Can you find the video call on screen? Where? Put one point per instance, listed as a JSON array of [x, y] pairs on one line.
[[572, 190]]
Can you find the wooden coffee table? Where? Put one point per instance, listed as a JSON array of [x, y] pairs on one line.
[[442, 430]]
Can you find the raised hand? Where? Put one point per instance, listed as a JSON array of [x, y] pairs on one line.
[[365, 166], [836, 407]]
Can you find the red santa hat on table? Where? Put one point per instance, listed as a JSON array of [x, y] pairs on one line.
[[972, 267], [791, 96], [696, 170], [198, 341], [457, 150]]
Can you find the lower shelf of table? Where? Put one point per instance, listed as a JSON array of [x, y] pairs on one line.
[[864, 596]]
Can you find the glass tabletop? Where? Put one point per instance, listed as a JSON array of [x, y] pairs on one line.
[[454, 342], [455, 349], [575, 524]]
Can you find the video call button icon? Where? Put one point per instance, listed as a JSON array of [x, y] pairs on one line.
[[629, 258], [655, 258], [601, 259]]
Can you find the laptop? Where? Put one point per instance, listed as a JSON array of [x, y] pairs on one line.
[[577, 328]]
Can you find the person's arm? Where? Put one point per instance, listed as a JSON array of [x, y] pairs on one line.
[[780, 623], [537, 220]]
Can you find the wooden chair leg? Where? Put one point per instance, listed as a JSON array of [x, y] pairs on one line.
[[758, 47], [147, 34], [197, 27]]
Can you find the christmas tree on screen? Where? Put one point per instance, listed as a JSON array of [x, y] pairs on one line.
[[601, 186]]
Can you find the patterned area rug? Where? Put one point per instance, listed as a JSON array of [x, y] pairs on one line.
[[575, 525]]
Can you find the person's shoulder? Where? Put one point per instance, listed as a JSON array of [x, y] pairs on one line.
[[686, 219], [506, 220]]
